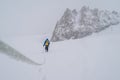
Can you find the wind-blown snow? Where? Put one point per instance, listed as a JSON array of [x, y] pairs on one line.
[[95, 57], [28, 17], [22, 22]]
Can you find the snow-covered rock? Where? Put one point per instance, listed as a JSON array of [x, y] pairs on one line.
[[77, 24]]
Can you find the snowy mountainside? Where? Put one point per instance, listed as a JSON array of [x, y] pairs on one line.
[[77, 24], [95, 57]]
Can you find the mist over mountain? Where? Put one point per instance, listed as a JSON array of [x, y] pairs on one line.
[[78, 24]]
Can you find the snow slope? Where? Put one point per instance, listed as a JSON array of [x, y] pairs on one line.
[[92, 58], [14, 65], [95, 57]]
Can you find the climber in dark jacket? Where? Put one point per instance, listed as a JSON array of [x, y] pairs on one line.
[[46, 44]]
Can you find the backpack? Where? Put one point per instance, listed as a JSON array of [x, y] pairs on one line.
[[47, 43]]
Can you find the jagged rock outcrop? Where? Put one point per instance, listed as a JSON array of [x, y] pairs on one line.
[[78, 24]]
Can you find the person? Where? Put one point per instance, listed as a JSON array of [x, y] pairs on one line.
[[46, 44]]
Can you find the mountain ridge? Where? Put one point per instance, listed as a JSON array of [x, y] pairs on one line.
[[78, 24]]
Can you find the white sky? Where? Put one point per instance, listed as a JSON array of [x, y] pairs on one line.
[[18, 17]]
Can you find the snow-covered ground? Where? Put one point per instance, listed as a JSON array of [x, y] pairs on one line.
[[13, 69], [96, 57]]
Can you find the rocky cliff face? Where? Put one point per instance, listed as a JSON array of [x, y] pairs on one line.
[[78, 24]]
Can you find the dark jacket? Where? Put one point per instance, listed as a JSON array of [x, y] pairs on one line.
[[46, 43]]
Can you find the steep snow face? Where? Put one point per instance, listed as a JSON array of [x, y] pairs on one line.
[[77, 24]]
